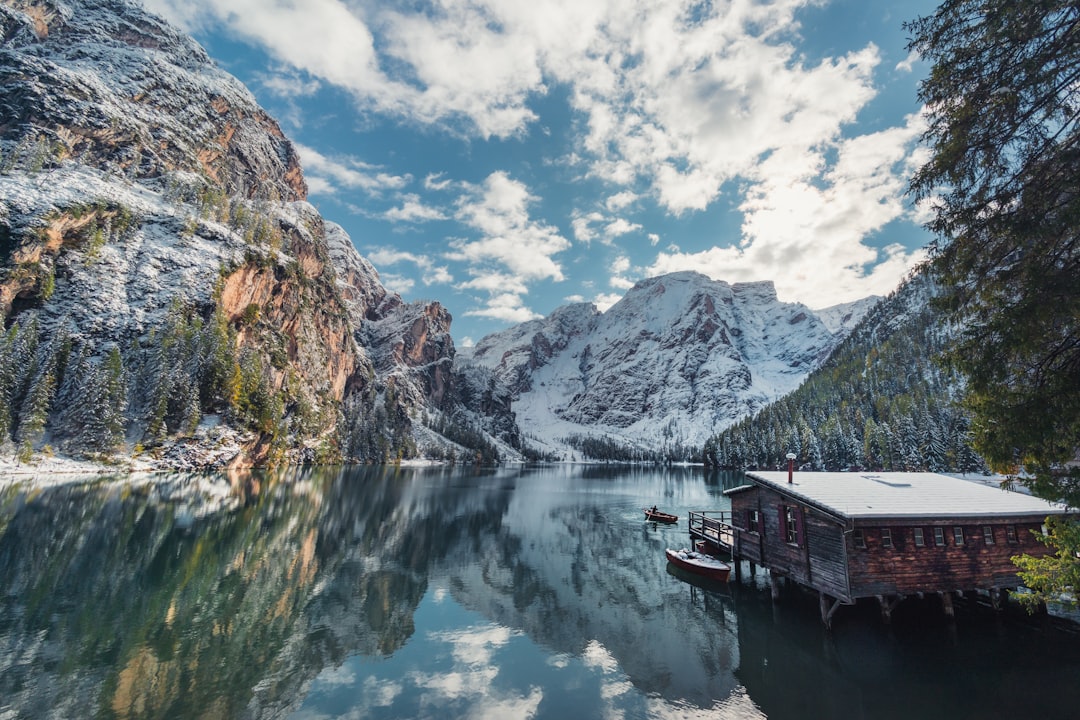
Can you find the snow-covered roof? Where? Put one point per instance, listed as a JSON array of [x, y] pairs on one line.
[[900, 494]]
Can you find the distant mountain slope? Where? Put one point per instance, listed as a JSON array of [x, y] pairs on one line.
[[677, 358], [880, 401]]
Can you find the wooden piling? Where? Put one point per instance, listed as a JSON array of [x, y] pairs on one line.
[[947, 605]]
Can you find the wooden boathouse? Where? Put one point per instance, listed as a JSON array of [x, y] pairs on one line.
[[852, 535]]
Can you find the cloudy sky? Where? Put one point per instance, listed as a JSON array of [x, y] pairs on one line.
[[507, 157]]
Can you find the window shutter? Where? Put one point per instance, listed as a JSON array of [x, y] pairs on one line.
[[800, 527]]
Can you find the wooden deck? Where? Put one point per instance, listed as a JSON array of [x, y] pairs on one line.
[[714, 527]]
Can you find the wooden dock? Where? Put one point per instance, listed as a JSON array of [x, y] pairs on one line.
[[714, 527]]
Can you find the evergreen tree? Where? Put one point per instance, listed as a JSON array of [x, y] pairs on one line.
[[1004, 126], [105, 393]]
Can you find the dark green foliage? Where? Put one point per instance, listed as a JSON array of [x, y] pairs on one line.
[[30, 372], [880, 401], [257, 405], [481, 450], [606, 449], [190, 367], [1003, 102], [17, 349], [374, 430], [1004, 129], [110, 222]]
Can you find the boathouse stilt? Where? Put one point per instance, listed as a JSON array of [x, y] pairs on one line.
[[827, 609], [888, 605], [774, 585], [947, 605]]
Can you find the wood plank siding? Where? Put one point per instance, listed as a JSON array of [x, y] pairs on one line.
[[906, 568], [817, 557]]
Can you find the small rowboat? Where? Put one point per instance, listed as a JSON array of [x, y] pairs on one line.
[[657, 516], [699, 564]]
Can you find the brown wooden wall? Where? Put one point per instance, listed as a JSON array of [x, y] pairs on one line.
[[907, 569], [819, 558]]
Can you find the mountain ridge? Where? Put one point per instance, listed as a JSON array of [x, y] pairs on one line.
[[678, 356]]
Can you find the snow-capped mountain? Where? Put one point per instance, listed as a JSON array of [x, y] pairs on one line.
[[680, 357], [841, 319], [169, 291]]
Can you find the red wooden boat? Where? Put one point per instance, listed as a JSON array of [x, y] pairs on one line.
[[699, 564], [656, 516]]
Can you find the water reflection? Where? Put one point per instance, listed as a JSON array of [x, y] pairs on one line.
[[381, 592]]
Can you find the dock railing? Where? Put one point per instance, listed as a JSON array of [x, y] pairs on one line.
[[713, 526]]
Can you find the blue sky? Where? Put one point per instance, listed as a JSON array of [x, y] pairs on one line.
[[506, 157]]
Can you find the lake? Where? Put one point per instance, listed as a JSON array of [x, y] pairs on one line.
[[514, 592]]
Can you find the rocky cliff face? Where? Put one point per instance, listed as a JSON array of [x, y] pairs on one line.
[[166, 289], [677, 358], [103, 82]]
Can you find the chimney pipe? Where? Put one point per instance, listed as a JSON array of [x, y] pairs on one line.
[[790, 467]]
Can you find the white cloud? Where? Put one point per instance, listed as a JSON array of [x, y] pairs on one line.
[[619, 267], [806, 230], [596, 656], [654, 239], [324, 38], [620, 226], [437, 276], [333, 174], [288, 84], [499, 210], [381, 692], [413, 210], [582, 225], [432, 274], [397, 283], [436, 181], [505, 306], [574, 298], [908, 63], [621, 200], [512, 249], [603, 301]]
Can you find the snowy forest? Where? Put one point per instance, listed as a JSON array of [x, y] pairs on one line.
[[879, 402]]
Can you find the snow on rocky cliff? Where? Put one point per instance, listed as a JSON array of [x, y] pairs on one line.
[[677, 359], [149, 207]]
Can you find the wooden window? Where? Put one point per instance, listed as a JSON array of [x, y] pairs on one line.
[[886, 538], [988, 535], [1010, 534], [753, 522], [958, 535], [858, 539], [920, 541], [791, 525], [939, 536]]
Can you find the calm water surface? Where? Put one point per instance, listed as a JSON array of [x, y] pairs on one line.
[[447, 593]]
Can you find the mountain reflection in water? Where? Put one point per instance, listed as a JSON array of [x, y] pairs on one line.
[[442, 592]]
